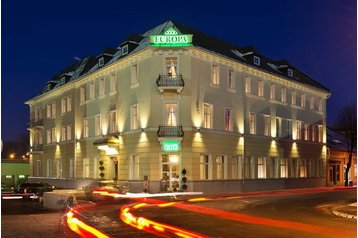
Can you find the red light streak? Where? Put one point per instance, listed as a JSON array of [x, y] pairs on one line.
[[81, 228]]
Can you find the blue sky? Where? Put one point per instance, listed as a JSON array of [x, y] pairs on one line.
[[40, 38]]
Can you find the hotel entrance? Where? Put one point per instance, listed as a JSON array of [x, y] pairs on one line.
[[169, 172]]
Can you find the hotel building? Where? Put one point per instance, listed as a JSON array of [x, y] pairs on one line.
[[176, 100]]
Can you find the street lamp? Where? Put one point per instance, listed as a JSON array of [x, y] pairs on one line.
[[12, 155]]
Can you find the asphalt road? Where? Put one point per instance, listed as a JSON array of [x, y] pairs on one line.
[[274, 215]]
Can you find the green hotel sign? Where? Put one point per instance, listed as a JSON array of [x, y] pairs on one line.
[[171, 38], [170, 145]]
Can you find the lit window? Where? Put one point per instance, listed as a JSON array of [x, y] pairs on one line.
[[97, 123], [215, 75], [256, 60], [306, 129], [208, 115], [283, 168], [113, 121], [303, 100], [134, 117], [112, 83], [63, 133], [320, 105], [134, 74], [272, 92], [48, 139], [228, 119], [53, 135], [312, 103], [91, 90], [320, 133], [252, 122], [261, 167], [101, 88], [63, 105], [53, 109], [171, 114], [260, 85], [247, 85], [86, 168], [220, 167], [293, 98], [69, 104], [82, 94], [69, 132], [171, 66], [302, 168], [290, 72], [283, 94], [85, 128], [267, 127], [313, 132], [298, 130], [230, 79], [204, 167]]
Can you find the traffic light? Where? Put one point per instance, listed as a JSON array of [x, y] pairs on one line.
[[183, 186]]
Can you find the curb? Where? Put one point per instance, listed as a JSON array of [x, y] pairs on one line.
[[343, 214]]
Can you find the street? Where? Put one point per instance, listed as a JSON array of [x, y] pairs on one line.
[[278, 214]]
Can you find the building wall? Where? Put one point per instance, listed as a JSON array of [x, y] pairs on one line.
[[196, 67]]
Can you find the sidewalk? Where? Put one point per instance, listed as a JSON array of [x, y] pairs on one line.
[[348, 211]]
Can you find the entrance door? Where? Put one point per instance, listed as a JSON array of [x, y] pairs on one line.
[[170, 172], [334, 172], [115, 163]]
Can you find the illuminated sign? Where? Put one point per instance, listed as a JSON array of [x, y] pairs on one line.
[[171, 38], [170, 145]]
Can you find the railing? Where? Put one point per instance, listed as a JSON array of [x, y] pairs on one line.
[[37, 148], [170, 81], [38, 123], [170, 131]]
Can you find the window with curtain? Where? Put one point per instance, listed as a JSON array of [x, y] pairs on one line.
[[208, 115], [228, 119], [171, 114], [171, 66]]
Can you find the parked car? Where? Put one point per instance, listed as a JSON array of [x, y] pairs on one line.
[[36, 188], [110, 186]]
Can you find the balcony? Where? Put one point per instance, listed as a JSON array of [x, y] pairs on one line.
[[170, 83], [170, 131], [39, 123], [37, 149]]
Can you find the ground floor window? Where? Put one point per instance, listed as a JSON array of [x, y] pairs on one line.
[[204, 167], [249, 168], [38, 168], [72, 174], [86, 168], [58, 169], [237, 167], [220, 167], [49, 168], [261, 167], [283, 168]]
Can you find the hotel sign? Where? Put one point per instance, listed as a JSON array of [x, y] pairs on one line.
[[171, 38], [170, 145]]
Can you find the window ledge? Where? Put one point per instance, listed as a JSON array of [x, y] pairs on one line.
[[278, 102], [134, 85], [101, 96], [112, 93], [215, 85], [255, 96], [232, 90], [298, 107]]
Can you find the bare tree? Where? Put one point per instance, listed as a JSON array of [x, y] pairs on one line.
[[347, 125]]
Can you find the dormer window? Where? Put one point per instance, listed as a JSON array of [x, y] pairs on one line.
[[62, 80], [290, 72], [125, 50], [101, 62], [256, 60]]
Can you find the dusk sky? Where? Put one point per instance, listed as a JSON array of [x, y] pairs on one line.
[[40, 38]]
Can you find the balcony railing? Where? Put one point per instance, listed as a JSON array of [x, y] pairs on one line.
[[37, 148], [170, 82], [170, 131], [38, 123]]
